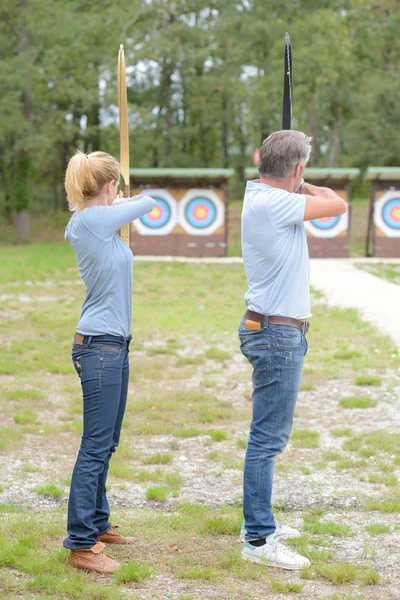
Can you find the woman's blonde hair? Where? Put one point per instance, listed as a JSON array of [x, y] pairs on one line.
[[87, 174]]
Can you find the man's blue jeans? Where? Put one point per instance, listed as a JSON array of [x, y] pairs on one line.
[[103, 368], [276, 353]]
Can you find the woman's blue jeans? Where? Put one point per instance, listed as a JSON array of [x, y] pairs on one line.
[[276, 353], [103, 368]]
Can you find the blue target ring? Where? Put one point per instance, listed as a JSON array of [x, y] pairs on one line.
[[159, 216], [327, 223], [200, 212], [391, 213]]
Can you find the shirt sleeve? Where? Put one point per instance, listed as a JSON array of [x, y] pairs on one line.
[[105, 221], [286, 209]]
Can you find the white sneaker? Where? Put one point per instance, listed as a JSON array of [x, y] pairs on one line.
[[274, 554], [281, 531]]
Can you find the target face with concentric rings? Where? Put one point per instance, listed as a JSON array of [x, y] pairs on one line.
[[201, 212], [387, 213], [328, 227], [164, 216], [159, 216]]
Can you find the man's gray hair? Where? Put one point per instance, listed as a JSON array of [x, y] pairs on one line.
[[281, 152]]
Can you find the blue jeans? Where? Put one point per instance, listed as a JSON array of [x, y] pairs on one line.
[[276, 353], [103, 368]]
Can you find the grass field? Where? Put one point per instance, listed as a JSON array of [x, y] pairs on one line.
[[175, 481]]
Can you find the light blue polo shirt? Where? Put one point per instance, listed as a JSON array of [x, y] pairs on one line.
[[275, 251]]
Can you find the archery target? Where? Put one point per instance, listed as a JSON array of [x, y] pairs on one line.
[[164, 216], [387, 213], [328, 227], [201, 212]]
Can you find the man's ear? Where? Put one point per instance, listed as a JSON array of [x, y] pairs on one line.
[[299, 170]]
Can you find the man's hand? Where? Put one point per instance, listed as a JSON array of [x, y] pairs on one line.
[[322, 202]]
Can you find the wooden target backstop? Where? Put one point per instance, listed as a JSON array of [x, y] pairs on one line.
[[191, 212], [384, 223]]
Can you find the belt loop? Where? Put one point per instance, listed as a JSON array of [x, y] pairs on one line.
[[128, 341], [89, 342], [265, 324]]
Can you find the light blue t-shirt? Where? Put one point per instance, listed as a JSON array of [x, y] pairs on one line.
[[275, 251], [105, 264]]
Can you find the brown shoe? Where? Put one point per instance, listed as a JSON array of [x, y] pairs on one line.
[[112, 536], [93, 559]]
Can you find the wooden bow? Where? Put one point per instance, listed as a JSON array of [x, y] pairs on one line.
[[287, 86], [125, 231]]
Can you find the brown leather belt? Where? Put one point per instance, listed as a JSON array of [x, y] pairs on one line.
[[277, 320]]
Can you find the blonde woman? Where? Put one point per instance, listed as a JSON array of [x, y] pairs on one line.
[[101, 346]]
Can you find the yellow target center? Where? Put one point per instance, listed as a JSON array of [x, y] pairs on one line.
[[155, 213], [396, 213], [201, 212]]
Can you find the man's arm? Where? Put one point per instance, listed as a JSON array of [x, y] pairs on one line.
[[322, 202]]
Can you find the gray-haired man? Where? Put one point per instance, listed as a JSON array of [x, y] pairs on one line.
[[272, 331]]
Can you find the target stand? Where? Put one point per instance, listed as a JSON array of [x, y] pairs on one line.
[[189, 218], [385, 211], [327, 238]]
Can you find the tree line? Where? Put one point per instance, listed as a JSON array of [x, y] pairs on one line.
[[204, 84]]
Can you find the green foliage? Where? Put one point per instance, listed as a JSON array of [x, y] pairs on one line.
[[202, 92]]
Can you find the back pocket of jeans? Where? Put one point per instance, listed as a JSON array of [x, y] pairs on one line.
[[259, 356]]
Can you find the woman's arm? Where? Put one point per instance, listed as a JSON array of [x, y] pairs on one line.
[[108, 219]]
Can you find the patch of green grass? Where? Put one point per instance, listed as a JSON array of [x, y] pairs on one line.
[[357, 402], [241, 443], [24, 395], [182, 361], [389, 505], [133, 571], [10, 437], [341, 573], [285, 587], [370, 380], [158, 493], [348, 463], [217, 354], [307, 386], [50, 491], [328, 528], [346, 354], [187, 432], [374, 442], [341, 432], [377, 528], [208, 382], [25, 417], [174, 482], [120, 469], [218, 435], [144, 475], [305, 438], [389, 480], [158, 459], [305, 470], [233, 463]]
